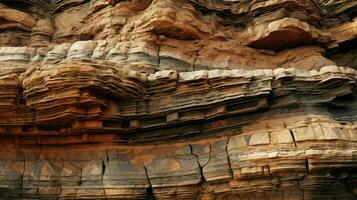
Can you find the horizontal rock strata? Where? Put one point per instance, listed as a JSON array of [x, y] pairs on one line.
[[184, 99], [289, 162]]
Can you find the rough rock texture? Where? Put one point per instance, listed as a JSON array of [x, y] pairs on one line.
[[178, 99]]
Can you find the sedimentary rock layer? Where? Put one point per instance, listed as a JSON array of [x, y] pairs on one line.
[[276, 130], [178, 99], [303, 159]]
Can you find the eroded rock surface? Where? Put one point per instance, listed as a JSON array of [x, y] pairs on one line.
[[178, 99]]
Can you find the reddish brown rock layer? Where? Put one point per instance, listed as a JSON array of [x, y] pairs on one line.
[[163, 99]]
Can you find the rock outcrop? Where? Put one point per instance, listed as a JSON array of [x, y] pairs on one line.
[[178, 99]]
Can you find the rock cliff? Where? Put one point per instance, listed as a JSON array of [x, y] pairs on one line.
[[178, 99]]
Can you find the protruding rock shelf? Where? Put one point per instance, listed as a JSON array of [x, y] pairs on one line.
[[178, 99]]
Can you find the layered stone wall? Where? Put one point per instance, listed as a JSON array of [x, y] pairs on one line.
[[178, 99]]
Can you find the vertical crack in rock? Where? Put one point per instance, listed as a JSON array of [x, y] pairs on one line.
[[228, 158], [199, 165], [102, 178], [161, 40], [307, 165], [203, 179], [292, 135], [107, 156], [23, 173], [149, 190]]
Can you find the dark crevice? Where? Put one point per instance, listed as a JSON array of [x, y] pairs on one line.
[[103, 172], [307, 165], [201, 184], [114, 2], [149, 190], [341, 174], [292, 135], [203, 180], [103, 168], [158, 52], [342, 108], [17, 4], [343, 47], [228, 158], [228, 17]]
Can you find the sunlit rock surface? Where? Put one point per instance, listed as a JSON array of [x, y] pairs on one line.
[[178, 99]]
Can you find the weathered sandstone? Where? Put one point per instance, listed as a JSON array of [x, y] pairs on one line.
[[178, 99]]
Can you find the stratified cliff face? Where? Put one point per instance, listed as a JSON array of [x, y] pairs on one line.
[[178, 99]]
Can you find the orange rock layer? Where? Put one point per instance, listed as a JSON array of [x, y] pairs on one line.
[[184, 99]]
